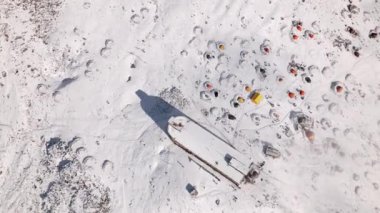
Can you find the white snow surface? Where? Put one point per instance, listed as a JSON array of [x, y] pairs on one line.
[[87, 88]]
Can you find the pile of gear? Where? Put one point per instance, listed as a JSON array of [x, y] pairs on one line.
[[304, 123]]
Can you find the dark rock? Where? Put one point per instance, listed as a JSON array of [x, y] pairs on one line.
[[373, 35], [231, 117]]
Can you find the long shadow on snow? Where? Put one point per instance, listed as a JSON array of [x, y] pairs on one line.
[[161, 111], [158, 109]]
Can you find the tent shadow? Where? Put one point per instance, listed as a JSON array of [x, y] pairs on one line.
[[158, 110]]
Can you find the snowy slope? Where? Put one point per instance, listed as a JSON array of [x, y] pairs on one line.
[[87, 88]]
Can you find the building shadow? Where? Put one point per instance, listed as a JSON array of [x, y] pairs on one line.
[[158, 109], [161, 111]]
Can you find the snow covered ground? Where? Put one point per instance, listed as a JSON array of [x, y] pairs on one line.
[[87, 88]]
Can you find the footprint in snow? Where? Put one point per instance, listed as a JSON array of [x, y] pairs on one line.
[[42, 89], [197, 30], [320, 107], [105, 52], [325, 123], [86, 5], [89, 161], [109, 43], [255, 118], [334, 108], [57, 96], [347, 131], [184, 53], [80, 150], [107, 166], [135, 19], [216, 112], [327, 72], [88, 73], [244, 44], [90, 64], [325, 98], [144, 12], [74, 142]]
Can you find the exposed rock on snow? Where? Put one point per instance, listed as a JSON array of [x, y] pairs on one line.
[[174, 97], [65, 186]]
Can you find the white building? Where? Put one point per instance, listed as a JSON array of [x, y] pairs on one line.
[[217, 154]]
